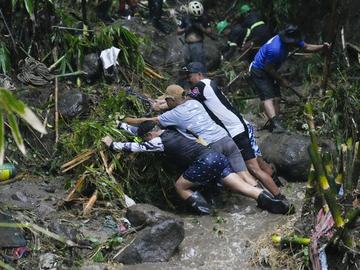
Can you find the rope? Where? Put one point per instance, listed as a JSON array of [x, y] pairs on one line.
[[34, 72]]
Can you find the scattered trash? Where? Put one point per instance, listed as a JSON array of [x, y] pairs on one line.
[[124, 225]]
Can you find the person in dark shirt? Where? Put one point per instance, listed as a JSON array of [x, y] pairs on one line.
[[194, 25], [235, 35], [263, 70], [203, 167]]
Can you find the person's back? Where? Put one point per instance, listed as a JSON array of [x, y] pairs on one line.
[[218, 106], [191, 115], [273, 52]]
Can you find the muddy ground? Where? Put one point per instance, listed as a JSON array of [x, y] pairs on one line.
[[226, 240]]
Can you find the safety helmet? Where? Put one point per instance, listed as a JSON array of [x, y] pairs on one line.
[[221, 26], [244, 9], [196, 8]]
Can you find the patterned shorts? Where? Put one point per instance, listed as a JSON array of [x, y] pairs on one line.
[[254, 146], [210, 167]]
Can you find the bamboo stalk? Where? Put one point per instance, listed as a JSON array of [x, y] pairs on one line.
[[292, 239], [329, 171], [76, 188], [348, 162], [56, 98], [76, 164], [77, 158], [89, 205], [322, 179], [356, 165], [6, 266]]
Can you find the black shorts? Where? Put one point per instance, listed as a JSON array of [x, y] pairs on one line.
[[243, 143], [264, 84]]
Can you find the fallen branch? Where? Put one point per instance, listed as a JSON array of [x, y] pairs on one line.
[[89, 205], [78, 158]]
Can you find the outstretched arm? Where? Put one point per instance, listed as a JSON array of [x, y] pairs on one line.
[[138, 121], [154, 145], [315, 48]]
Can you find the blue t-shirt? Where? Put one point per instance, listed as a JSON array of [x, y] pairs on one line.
[[191, 115], [272, 52]]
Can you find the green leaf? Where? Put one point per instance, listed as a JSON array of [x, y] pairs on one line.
[[5, 62], [16, 133], [30, 8], [12, 104], [2, 137], [13, 2]]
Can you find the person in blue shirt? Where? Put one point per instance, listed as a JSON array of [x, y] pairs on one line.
[[265, 75]]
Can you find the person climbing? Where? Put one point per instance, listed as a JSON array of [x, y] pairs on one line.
[[194, 25], [155, 12], [257, 31], [224, 114], [265, 77], [203, 167], [187, 114], [235, 35], [128, 7]]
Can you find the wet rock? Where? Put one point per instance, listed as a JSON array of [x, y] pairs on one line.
[[289, 154], [64, 230], [141, 214], [19, 196], [72, 103], [49, 261], [44, 210], [92, 66], [155, 243]]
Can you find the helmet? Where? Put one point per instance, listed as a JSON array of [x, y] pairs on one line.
[[221, 26], [244, 9], [196, 8]]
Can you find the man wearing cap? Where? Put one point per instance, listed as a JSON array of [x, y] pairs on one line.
[[202, 164], [225, 115], [264, 72]]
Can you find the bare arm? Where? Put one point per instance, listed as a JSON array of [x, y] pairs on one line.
[[276, 75], [180, 31], [138, 121], [315, 48]]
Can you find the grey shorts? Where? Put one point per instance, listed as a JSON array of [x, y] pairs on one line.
[[228, 147], [264, 84]]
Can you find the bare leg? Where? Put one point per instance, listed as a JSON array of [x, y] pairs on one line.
[[265, 179], [238, 185], [269, 108], [265, 166], [183, 186], [277, 105], [248, 178]]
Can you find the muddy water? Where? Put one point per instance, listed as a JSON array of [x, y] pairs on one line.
[[225, 240], [222, 241]]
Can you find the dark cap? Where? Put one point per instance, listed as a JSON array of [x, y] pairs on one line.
[[145, 128], [291, 35], [195, 67]]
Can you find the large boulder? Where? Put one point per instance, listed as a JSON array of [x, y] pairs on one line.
[[166, 51], [156, 242], [146, 214], [72, 103], [289, 153], [92, 67]]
